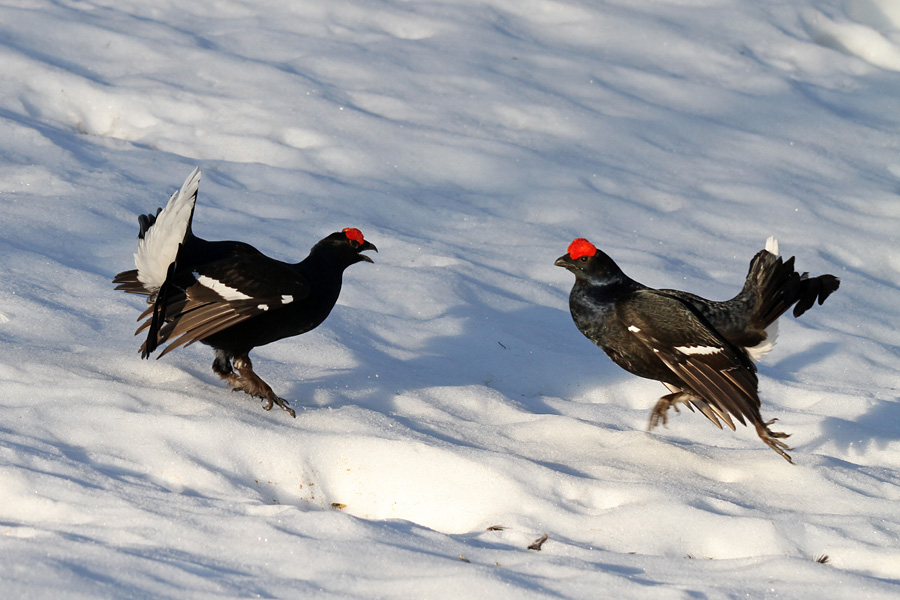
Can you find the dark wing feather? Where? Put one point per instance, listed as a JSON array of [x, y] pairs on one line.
[[721, 376], [218, 295], [187, 335]]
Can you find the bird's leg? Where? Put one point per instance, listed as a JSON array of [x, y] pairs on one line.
[[222, 367], [773, 439], [245, 380], [251, 383], [662, 406]]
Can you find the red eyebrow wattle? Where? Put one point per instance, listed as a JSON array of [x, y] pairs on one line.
[[353, 234]]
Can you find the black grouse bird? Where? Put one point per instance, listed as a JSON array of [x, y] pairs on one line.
[[702, 350], [227, 294]]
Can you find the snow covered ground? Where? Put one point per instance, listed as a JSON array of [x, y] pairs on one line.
[[449, 391]]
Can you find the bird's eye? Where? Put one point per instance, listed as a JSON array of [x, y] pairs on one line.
[[583, 259], [353, 243]]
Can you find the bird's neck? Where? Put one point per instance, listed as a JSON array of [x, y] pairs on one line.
[[612, 284], [324, 269]]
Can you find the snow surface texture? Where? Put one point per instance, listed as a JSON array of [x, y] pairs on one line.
[[449, 391]]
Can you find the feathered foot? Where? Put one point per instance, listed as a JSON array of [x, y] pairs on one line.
[[773, 439], [658, 416], [247, 381]]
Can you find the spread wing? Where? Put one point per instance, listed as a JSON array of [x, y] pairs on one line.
[[218, 295], [720, 375]]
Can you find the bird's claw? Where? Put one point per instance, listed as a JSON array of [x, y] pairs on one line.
[[773, 439], [269, 401], [268, 397]]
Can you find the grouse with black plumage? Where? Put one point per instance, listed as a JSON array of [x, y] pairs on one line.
[[702, 350], [229, 295]]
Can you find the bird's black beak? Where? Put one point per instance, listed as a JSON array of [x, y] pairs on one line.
[[564, 261], [367, 245]]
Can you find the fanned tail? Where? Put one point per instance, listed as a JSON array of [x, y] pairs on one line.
[[161, 235], [779, 286], [160, 241], [814, 289]]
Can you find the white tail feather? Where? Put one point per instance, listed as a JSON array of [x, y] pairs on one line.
[[157, 250], [772, 246]]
